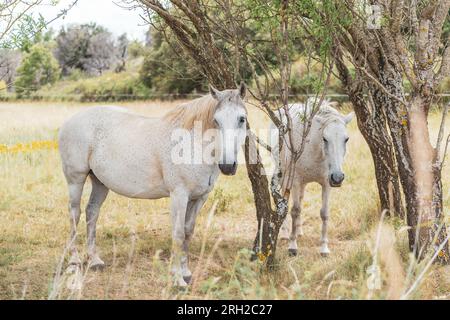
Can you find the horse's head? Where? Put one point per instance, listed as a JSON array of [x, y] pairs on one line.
[[230, 119], [334, 141]]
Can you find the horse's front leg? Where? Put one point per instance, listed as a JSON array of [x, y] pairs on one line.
[[192, 211], [179, 202], [297, 194], [324, 215]]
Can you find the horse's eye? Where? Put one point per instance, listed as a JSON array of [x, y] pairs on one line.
[[346, 139], [325, 140], [241, 120], [216, 123]]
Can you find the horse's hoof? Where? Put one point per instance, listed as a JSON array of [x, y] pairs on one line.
[[292, 252], [325, 254], [180, 284], [96, 264], [187, 279], [75, 260]]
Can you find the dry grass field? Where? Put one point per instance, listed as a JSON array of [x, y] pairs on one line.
[[134, 235]]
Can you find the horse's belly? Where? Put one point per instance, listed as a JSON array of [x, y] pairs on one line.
[[134, 178], [133, 186], [141, 192]]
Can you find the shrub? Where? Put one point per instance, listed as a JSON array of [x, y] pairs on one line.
[[38, 68], [307, 81], [110, 86], [87, 47], [135, 49], [3, 87]]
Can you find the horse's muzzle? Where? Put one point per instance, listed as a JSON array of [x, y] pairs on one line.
[[336, 179], [228, 169]]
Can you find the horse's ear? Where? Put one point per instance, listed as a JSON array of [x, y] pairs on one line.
[[333, 104], [349, 117], [214, 92], [242, 90]]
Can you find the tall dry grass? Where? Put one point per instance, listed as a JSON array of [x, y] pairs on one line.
[[369, 256]]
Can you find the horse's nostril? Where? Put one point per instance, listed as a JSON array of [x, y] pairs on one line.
[[337, 178], [228, 169]]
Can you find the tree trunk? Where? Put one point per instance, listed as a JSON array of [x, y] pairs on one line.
[[414, 154], [432, 230], [396, 115], [439, 227], [372, 124], [269, 220]]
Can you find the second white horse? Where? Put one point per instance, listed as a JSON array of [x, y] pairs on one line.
[[321, 161]]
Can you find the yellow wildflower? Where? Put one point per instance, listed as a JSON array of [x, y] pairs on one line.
[[29, 147]]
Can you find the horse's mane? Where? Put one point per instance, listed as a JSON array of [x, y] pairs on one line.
[[326, 109], [185, 115]]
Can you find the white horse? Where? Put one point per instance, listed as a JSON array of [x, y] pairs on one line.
[[321, 161], [132, 155]]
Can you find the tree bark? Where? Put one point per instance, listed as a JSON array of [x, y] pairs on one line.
[[439, 228], [397, 120], [372, 125], [414, 154], [269, 220]]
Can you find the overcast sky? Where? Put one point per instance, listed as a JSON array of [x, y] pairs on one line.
[[104, 12]]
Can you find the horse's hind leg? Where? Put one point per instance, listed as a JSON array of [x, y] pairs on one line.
[[75, 184], [98, 196]]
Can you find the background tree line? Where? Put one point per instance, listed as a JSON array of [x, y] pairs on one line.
[[78, 60]]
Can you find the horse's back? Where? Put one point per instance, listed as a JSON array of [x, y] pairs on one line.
[[88, 124], [122, 149], [87, 120], [76, 135]]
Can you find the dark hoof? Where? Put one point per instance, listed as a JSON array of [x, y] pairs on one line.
[[292, 252], [188, 279], [97, 267], [325, 254]]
